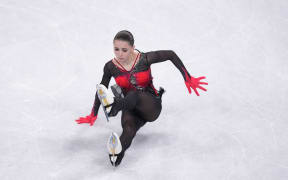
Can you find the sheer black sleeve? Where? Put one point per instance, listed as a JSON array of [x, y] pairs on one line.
[[164, 55], [105, 81]]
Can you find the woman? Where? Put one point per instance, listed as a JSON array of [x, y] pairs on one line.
[[141, 102]]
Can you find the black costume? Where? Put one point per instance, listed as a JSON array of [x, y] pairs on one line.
[[142, 100]]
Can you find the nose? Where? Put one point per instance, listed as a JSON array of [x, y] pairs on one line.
[[120, 53]]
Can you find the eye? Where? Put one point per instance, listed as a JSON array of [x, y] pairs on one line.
[[125, 50], [116, 49]]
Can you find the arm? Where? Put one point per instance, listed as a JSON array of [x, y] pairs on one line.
[[164, 55], [105, 81], [93, 115]]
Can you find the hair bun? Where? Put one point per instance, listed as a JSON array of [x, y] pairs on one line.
[[125, 35]]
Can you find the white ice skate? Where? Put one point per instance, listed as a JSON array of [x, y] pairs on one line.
[[114, 148], [106, 98]]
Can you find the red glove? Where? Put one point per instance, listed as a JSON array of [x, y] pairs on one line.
[[88, 119], [193, 83]]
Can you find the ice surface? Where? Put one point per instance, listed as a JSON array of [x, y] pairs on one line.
[[52, 55]]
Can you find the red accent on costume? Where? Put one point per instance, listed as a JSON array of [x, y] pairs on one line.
[[156, 92], [123, 69], [123, 81], [143, 79]]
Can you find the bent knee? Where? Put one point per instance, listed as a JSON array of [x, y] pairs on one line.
[[153, 115]]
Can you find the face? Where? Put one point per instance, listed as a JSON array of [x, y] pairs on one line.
[[122, 50]]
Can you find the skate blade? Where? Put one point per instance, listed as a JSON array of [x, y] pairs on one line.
[[114, 147]]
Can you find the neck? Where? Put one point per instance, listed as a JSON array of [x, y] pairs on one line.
[[130, 59]]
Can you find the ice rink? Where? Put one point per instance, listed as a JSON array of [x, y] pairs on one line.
[[52, 55]]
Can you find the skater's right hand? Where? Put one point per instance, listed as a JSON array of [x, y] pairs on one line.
[[88, 119]]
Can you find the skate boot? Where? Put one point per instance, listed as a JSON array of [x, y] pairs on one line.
[[117, 91], [111, 103], [115, 149], [116, 106], [106, 98], [118, 102]]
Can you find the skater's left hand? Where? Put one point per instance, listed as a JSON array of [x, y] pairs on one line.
[[194, 83]]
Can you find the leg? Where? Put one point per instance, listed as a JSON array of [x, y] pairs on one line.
[[131, 123], [148, 106], [139, 107], [144, 104]]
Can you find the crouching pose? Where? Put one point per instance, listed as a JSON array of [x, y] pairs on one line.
[[141, 102]]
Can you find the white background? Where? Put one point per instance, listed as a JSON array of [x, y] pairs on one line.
[[52, 55]]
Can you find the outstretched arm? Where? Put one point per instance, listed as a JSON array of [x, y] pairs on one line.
[[93, 116], [164, 55]]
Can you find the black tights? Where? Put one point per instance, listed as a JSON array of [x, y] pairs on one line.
[[141, 107]]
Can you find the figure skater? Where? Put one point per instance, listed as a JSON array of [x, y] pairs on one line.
[[142, 102]]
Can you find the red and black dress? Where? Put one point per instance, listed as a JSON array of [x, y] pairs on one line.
[[139, 78]]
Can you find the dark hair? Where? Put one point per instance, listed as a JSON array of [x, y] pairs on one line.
[[125, 35]]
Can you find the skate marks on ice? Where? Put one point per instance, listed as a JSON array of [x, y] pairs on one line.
[[81, 155]]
